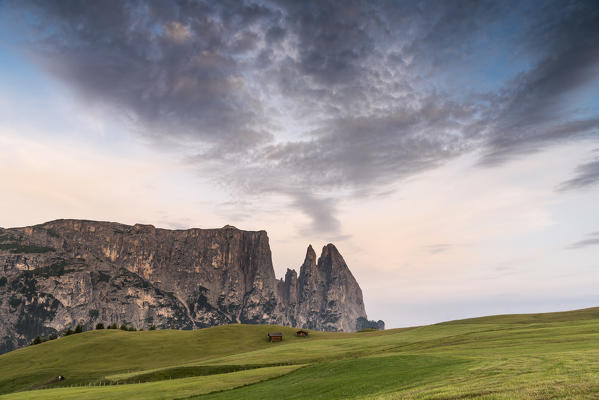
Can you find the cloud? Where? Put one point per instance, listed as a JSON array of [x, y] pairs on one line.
[[586, 175], [177, 32], [321, 212], [533, 109], [592, 239], [172, 70], [322, 101], [437, 248]]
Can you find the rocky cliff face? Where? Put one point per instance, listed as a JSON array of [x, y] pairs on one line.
[[68, 272], [326, 296]]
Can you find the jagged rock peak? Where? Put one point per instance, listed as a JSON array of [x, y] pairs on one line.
[[309, 260], [330, 247], [310, 253], [290, 274], [330, 251]]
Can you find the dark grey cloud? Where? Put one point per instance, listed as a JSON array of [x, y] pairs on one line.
[[585, 175], [321, 101], [173, 68], [592, 239], [533, 108], [368, 151], [321, 212]]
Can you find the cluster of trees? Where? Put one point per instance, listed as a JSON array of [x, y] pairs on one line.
[[69, 331], [39, 339], [362, 324], [129, 328], [123, 327]]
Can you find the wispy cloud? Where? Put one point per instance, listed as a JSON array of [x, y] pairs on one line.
[[585, 175], [437, 248], [592, 239]]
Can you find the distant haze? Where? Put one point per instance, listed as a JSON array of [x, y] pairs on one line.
[[450, 149]]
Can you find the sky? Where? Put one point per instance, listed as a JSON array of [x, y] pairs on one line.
[[449, 149]]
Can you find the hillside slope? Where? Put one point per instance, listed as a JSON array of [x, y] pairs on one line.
[[535, 356]]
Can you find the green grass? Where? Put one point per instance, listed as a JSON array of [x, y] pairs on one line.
[[166, 389], [92, 356], [180, 372], [352, 377], [535, 356]]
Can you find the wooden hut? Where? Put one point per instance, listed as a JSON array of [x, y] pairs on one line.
[[275, 337], [301, 333]]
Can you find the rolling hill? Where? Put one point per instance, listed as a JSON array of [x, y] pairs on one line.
[[536, 356]]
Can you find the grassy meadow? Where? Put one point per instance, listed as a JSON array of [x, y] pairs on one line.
[[535, 356]]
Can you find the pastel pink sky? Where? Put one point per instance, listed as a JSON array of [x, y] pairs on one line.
[[452, 156]]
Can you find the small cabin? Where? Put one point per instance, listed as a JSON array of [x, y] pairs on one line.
[[275, 337], [301, 333]]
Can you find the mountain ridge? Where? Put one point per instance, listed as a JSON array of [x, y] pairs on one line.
[[66, 272]]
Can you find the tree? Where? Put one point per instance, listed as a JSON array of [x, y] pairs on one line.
[[152, 328], [364, 324], [124, 327], [132, 329], [68, 332], [99, 325], [113, 326], [37, 340], [78, 329]]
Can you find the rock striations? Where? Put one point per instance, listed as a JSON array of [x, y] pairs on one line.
[[68, 272]]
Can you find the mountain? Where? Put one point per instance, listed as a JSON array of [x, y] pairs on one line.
[[68, 272], [325, 296]]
